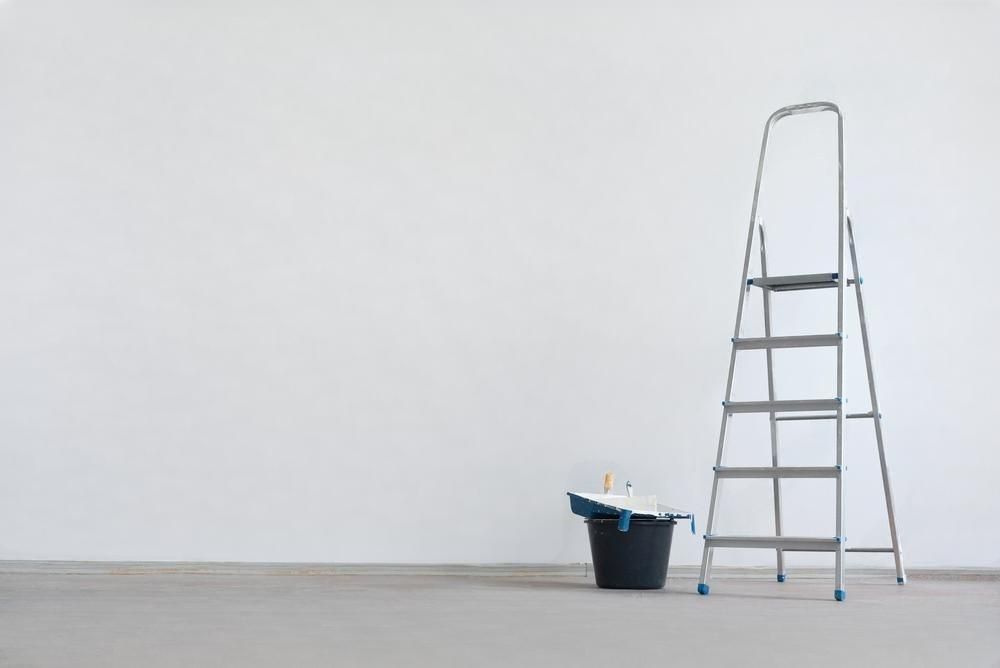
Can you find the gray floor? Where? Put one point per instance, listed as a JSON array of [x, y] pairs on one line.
[[487, 620]]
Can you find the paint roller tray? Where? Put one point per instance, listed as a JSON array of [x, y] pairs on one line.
[[623, 508]]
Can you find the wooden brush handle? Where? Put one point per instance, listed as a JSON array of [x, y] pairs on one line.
[[609, 482]]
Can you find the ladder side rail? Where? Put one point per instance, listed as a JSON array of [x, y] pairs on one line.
[[776, 483], [707, 552], [875, 414], [839, 591]]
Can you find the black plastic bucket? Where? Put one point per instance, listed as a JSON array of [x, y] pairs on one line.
[[633, 559]]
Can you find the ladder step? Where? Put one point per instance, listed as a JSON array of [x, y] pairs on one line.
[[777, 471], [797, 282], [849, 416], [869, 549], [790, 543], [807, 341], [782, 406]]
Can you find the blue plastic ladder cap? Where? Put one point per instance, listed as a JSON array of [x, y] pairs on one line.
[[839, 594], [781, 577], [900, 581], [703, 589]]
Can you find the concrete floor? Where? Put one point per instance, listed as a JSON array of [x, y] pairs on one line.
[[191, 620]]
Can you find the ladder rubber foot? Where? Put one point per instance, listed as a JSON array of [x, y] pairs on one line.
[[901, 581], [781, 577], [703, 589], [839, 594]]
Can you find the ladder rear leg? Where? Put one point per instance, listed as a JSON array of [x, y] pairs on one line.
[[896, 550], [770, 395], [876, 415]]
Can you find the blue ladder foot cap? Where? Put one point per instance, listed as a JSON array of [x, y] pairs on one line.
[[781, 577], [839, 594], [901, 581], [703, 589]]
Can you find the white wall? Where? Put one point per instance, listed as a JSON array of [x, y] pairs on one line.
[[366, 282]]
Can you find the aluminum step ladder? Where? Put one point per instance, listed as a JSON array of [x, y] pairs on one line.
[[832, 408]]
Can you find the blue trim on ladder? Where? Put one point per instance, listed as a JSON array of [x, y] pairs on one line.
[[703, 589], [839, 594], [781, 577], [900, 581]]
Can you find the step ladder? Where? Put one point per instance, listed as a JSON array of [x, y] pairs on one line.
[[832, 408]]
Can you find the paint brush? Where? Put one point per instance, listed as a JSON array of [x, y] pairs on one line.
[[609, 482]]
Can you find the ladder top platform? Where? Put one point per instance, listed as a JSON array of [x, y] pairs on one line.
[[798, 282]]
